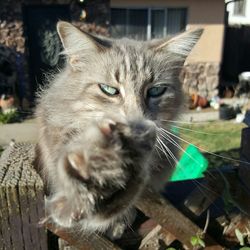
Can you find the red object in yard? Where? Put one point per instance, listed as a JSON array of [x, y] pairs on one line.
[[198, 101]]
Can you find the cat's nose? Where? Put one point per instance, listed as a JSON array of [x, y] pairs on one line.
[[144, 132], [143, 127]]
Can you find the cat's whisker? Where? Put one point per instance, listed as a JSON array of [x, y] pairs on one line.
[[164, 152], [184, 122], [195, 140], [168, 138], [161, 148], [199, 185], [168, 151], [128, 222], [173, 142], [204, 150], [195, 131], [156, 148]]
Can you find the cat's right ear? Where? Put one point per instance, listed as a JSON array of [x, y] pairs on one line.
[[179, 46], [79, 44]]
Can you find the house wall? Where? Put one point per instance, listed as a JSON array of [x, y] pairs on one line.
[[201, 74], [201, 13]]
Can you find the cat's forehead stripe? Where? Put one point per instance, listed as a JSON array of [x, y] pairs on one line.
[[117, 76], [132, 67]]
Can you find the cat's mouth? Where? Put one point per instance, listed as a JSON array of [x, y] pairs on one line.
[[120, 199], [105, 201]]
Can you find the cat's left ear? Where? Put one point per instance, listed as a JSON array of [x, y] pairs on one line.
[[180, 45], [78, 44]]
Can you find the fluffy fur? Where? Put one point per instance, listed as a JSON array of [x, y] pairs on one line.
[[98, 152]]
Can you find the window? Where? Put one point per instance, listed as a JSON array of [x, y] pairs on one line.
[[176, 20], [157, 23], [137, 24], [146, 23], [239, 8]]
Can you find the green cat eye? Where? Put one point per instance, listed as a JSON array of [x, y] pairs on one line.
[[108, 90], [156, 91]]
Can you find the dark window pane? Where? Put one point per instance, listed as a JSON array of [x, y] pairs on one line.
[[157, 23], [176, 20], [137, 23], [118, 22]]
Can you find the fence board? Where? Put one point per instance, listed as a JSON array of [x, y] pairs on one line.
[[19, 200]]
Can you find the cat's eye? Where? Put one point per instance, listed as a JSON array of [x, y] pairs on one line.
[[156, 91], [108, 90]]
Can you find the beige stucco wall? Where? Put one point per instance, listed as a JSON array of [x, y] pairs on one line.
[[201, 13]]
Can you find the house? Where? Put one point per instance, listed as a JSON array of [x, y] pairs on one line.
[[27, 32], [146, 19]]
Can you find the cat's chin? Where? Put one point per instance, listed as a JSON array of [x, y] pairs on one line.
[[90, 215], [69, 218], [88, 225]]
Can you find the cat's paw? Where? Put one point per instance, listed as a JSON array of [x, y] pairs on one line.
[[63, 212], [102, 171], [118, 228], [108, 145], [116, 231]]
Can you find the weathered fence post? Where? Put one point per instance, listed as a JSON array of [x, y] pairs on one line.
[[21, 201]]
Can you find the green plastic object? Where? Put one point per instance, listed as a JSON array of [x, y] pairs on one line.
[[191, 165]]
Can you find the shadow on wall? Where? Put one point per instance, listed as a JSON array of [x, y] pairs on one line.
[[12, 76], [16, 44]]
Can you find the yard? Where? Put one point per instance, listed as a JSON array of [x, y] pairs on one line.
[[221, 138]]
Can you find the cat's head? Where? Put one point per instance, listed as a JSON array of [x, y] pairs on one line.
[[125, 79], [134, 83]]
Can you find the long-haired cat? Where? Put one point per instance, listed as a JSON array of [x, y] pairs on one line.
[[100, 121]]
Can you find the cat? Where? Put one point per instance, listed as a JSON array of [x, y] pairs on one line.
[[100, 119]]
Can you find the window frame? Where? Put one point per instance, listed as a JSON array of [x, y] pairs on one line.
[[149, 14]]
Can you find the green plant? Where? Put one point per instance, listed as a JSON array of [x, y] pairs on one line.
[[243, 238], [9, 117], [197, 241]]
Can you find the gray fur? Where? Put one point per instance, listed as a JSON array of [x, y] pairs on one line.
[[98, 152]]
